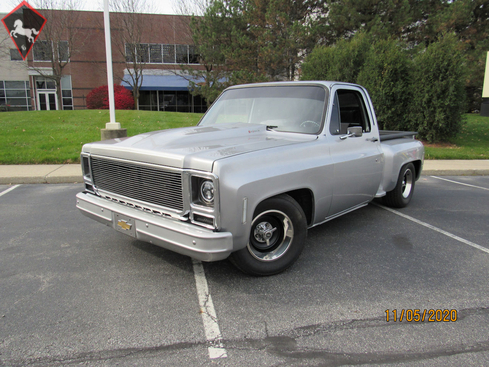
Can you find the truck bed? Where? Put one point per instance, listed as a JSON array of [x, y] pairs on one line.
[[390, 134]]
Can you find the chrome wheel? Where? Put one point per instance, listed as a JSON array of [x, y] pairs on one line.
[[401, 195], [276, 237], [407, 183], [271, 235]]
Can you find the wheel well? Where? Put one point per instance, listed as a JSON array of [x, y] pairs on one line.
[[417, 167], [305, 199]]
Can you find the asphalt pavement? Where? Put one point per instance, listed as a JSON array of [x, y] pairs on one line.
[[75, 292], [71, 173]]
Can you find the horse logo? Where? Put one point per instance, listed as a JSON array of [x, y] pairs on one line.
[[24, 24], [19, 29]]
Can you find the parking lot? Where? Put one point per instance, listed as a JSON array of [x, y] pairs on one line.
[[74, 292]]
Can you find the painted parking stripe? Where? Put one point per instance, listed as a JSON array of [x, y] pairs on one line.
[[460, 239], [460, 183], [8, 190], [212, 332]]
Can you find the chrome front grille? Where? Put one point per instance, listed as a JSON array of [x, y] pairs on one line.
[[148, 184]]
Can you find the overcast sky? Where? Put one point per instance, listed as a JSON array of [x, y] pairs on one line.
[[161, 6]]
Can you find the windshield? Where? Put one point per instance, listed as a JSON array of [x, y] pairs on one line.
[[285, 108]]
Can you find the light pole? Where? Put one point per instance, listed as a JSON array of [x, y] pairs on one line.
[[112, 129]]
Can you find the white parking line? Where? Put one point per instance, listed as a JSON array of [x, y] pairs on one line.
[[209, 317], [460, 183], [8, 190], [460, 239]]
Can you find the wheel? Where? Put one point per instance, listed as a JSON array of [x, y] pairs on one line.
[[276, 240], [403, 192]]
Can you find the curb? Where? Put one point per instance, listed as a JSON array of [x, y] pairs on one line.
[[456, 167], [40, 174], [447, 172]]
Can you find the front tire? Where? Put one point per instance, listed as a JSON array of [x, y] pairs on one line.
[[403, 192], [276, 239]]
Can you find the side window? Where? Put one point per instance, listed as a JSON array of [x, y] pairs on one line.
[[334, 126], [350, 107]]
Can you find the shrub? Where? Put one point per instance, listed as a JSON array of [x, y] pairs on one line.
[[387, 76], [341, 62], [425, 94], [98, 98], [439, 85]]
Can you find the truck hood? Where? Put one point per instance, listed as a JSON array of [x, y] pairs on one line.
[[195, 147]]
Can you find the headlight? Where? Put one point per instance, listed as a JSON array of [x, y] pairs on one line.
[[207, 192], [85, 166]]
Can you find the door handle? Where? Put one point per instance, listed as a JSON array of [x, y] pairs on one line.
[[373, 140]]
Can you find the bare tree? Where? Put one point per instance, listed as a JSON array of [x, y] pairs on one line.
[[190, 7], [59, 40], [130, 26]]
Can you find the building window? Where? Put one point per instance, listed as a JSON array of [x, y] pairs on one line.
[[182, 54], [155, 54], [66, 92], [142, 52], [171, 101], [45, 83], [193, 56], [63, 51], [15, 55], [130, 52], [15, 95], [42, 51], [169, 54], [161, 54]]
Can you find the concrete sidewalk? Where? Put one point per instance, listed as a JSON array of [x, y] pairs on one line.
[[71, 173]]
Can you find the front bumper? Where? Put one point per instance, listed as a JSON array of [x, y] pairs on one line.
[[182, 237]]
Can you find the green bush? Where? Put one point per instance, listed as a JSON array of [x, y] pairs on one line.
[[387, 76], [424, 94], [439, 84], [341, 62]]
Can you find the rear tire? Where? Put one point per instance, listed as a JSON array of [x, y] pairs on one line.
[[403, 192], [276, 239]]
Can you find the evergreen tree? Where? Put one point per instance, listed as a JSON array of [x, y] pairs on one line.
[[387, 76], [341, 62], [439, 95]]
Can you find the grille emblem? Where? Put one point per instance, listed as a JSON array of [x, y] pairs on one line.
[[124, 225]]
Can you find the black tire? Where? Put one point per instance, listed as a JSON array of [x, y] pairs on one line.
[[276, 240], [403, 192]]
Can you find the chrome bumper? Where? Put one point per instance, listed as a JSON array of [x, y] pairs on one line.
[[184, 238]]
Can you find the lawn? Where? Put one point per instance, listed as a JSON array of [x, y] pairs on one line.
[[471, 143], [37, 137]]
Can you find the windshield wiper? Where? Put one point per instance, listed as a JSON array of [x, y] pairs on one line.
[[271, 127]]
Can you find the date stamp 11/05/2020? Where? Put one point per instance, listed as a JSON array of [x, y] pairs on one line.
[[418, 315]]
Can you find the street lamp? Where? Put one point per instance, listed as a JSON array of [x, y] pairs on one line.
[[112, 129]]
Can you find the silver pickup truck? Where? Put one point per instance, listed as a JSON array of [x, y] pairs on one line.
[[265, 163]]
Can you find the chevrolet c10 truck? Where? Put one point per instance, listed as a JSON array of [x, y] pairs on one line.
[[264, 164]]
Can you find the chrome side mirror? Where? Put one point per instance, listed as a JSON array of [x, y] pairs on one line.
[[354, 131]]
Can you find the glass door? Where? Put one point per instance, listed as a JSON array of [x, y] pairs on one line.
[[47, 101]]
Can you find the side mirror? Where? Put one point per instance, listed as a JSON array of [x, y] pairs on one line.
[[356, 131]]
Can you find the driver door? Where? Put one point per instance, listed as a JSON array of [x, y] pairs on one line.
[[357, 160]]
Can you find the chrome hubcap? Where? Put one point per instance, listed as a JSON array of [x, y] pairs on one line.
[[407, 183], [263, 232], [271, 235]]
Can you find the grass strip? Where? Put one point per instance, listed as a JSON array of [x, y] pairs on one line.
[[56, 137]]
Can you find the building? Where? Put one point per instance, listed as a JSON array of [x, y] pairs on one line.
[[151, 46]]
